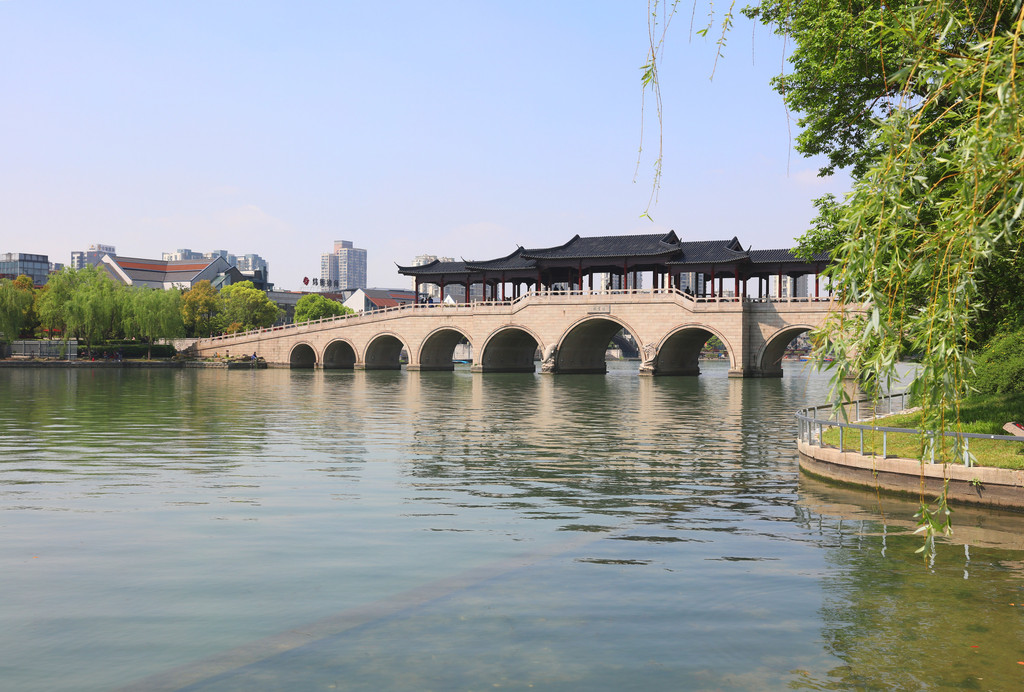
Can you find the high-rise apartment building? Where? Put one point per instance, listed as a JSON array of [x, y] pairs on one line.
[[613, 282], [344, 268], [251, 263], [801, 287], [92, 256], [181, 255], [433, 291]]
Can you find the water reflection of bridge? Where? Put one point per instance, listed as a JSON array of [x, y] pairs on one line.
[[571, 329]]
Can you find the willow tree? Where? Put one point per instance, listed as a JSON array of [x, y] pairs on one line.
[[94, 309], [922, 103], [152, 314], [15, 304]]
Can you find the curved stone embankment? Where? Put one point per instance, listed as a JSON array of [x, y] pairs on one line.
[[979, 485]]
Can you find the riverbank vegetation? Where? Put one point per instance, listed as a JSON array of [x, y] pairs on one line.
[[316, 306], [87, 304], [983, 414]]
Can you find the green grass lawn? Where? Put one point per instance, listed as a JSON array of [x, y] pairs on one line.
[[981, 414]]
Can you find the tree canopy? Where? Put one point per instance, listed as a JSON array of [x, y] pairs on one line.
[[244, 307], [152, 314], [200, 308], [15, 304], [922, 103], [846, 74], [316, 306]]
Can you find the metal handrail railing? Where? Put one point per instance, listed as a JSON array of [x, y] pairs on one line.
[[808, 421]]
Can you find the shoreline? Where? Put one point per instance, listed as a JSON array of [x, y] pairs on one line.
[[135, 364]]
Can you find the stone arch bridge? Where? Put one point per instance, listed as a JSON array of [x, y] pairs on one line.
[[570, 328]]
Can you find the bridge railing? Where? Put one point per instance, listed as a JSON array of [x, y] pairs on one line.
[[511, 302], [811, 426]]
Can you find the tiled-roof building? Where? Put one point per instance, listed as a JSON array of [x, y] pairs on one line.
[[694, 266], [135, 271]]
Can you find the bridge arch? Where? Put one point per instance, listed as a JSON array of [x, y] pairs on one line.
[[384, 352], [768, 362], [509, 349], [302, 355], [679, 353], [583, 345], [339, 355], [438, 348]]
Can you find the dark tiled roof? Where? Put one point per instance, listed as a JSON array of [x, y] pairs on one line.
[[783, 255], [511, 262], [710, 252], [668, 248], [610, 246], [437, 267]]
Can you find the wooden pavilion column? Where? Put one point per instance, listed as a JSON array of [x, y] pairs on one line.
[[712, 282], [736, 282], [580, 277]]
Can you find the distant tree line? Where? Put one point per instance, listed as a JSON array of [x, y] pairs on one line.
[[89, 305]]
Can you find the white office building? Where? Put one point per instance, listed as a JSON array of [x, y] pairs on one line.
[[91, 257]]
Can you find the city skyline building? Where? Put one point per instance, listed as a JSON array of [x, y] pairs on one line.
[[251, 265], [36, 267], [343, 268], [433, 291], [80, 259], [248, 262]]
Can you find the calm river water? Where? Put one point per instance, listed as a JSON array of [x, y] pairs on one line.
[[301, 530]]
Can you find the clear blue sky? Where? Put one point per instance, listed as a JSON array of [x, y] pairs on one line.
[[450, 128]]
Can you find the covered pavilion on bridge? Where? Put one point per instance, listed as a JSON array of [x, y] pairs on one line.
[[690, 266]]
